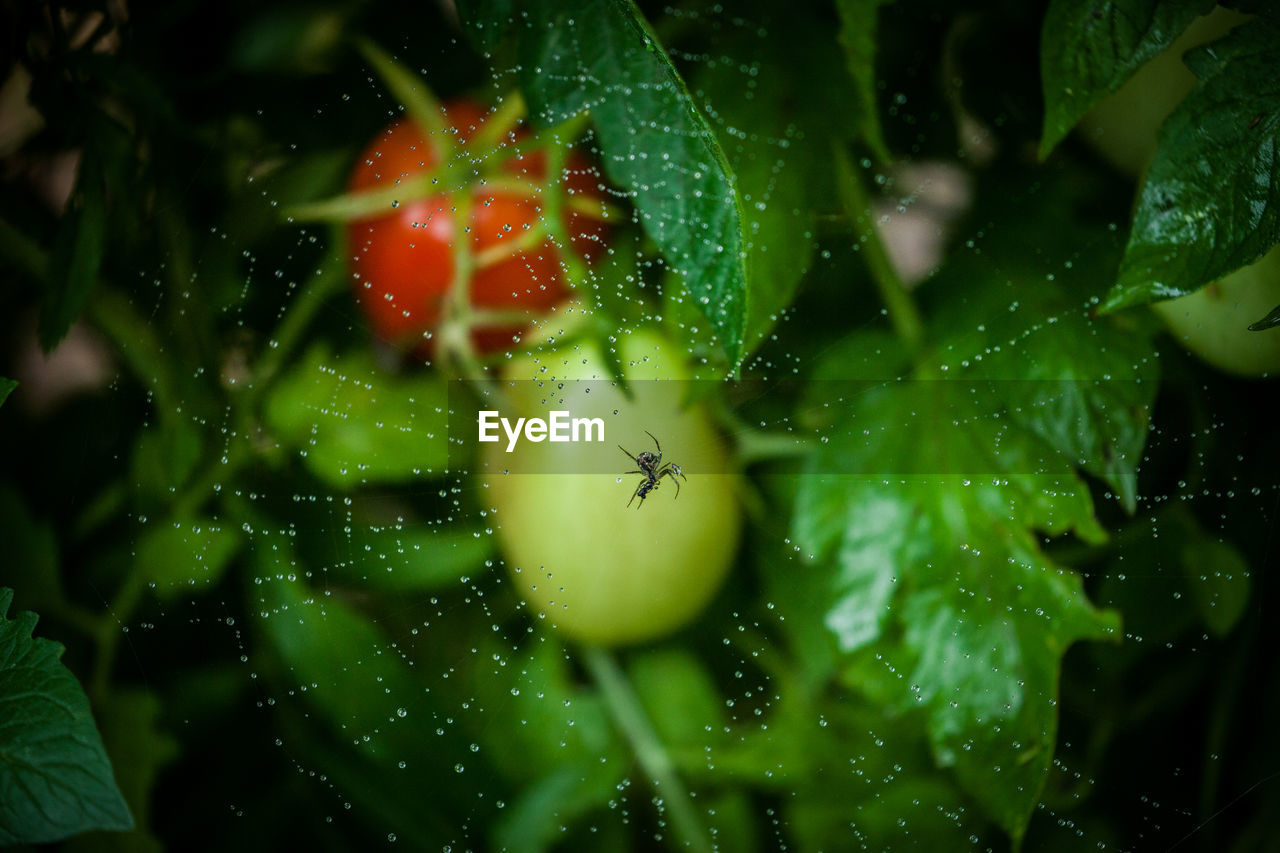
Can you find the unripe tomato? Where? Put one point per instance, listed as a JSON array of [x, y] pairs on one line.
[[1214, 321], [597, 569], [404, 263]]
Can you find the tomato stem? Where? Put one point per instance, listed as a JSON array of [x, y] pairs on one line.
[[414, 93], [554, 217], [455, 342], [500, 125], [451, 176], [903, 313], [527, 241], [629, 716]]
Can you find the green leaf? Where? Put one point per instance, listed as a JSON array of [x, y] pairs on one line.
[[1220, 583], [352, 424], [1085, 385], [409, 558], [353, 676], [164, 457], [679, 698], [77, 254], [6, 388], [1211, 200], [858, 38], [1088, 51], [774, 135], [546, 807], [186, 557], [548, 734], [656, 146], [928, 513], [55, 779]]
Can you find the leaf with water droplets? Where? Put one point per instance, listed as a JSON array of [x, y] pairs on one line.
[[603, 58], [1088, 51], [1211, 201]]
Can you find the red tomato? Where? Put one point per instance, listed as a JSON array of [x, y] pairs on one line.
[[404, 261]]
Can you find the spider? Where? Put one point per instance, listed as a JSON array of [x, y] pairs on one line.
[[651, 466]]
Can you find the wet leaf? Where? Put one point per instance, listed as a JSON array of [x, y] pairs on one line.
[[353, 424], [656, 145], [186, 557], [940, 548], [1088, 51], [1187, 231]]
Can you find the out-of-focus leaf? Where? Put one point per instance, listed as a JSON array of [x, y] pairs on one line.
[[549, 719], [352, 424], [1219, 580], [6, 388], [1172, 580], [603, 58], [293, 40], [1209, 204], [77, 254], [1088, 51], [549, 735], [30, 551], [55, 779], [130, 722], [164, 456], [537, 820], [353, 677], [858, 38], [680, 698], [942, 546], [186, 557], [403, 558]]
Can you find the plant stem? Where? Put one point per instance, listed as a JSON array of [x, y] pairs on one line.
[[630, 718], [903, 313], [448, 178]]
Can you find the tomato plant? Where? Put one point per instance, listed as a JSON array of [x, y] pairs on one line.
[[626, 573], [975, 561], [410, 278]]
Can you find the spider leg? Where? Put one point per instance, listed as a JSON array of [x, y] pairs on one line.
[[655, 441], [672, 470], [637, 471], [629, 456], [667, 472], [636, 492]]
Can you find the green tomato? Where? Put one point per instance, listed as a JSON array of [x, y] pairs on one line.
[[1213, 322], [595, 568], [1123, 127]]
